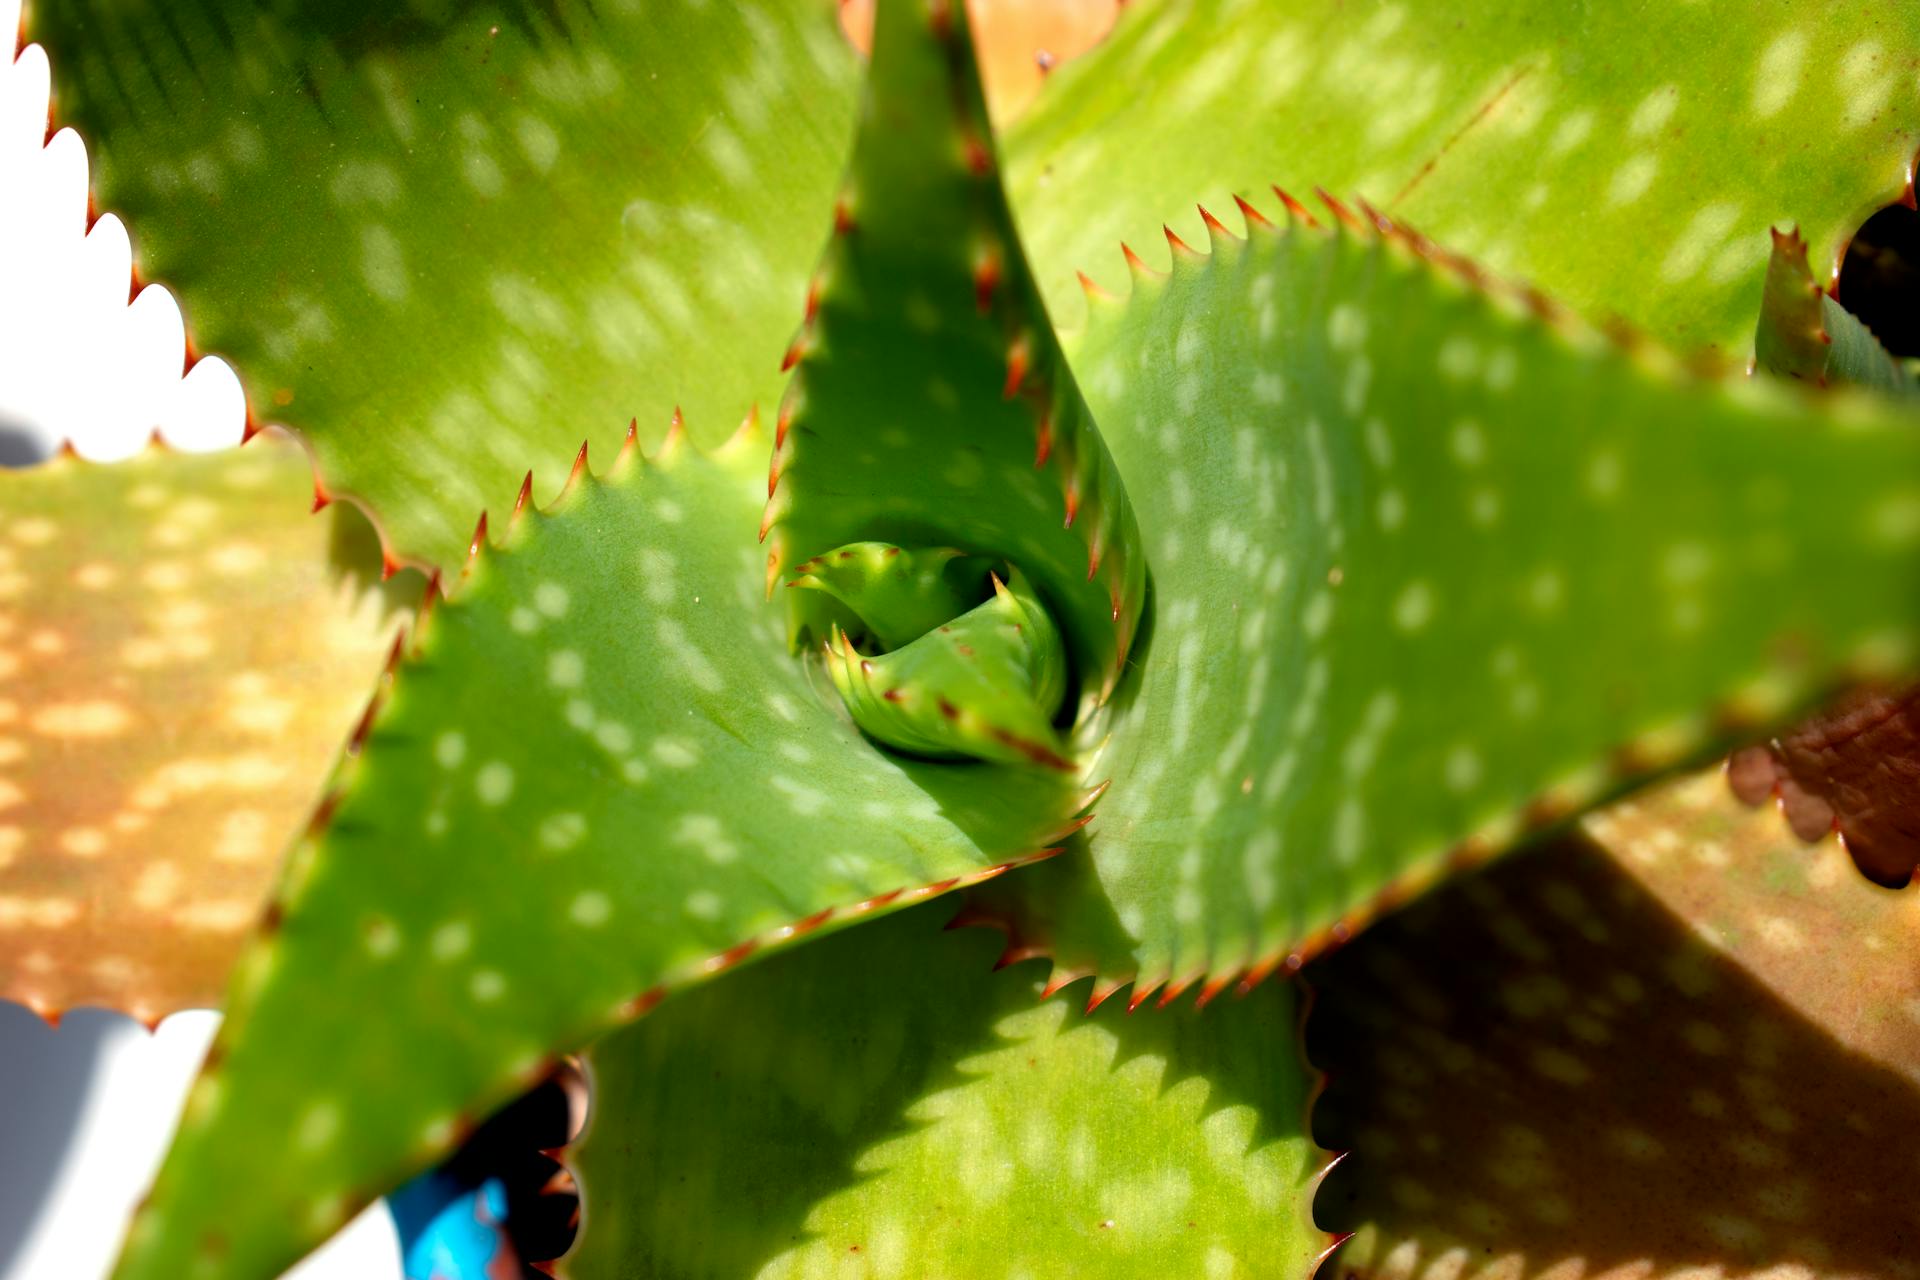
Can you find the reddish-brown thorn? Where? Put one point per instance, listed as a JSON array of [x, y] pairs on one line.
[[1073, 500], [1180, 247], [676, 432], [250, 428], [1135, 263], [1100, 995], [800, 928], [1093, 559], [1258, 974], [1211, 992], [1019, 358], [1141, 992], [643, 1003], [394, 652], [1093, 291], [733, 955], [479, 538], [795, 349], [782, 421], [579, 466], [1174, 990], [1294, 207], [979, 158], [1215, 227], [364, 725], [1338, 210], [986, 278], [1254, 217], [1043, 441], [813, 299], [843, 222], [521, 499]]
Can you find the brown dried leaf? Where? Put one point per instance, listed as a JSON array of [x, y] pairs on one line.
[[181, 656], [1682, 1041]]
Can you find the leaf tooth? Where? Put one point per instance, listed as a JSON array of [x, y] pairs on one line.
[[1211, 989], [1182, 251], [1138, 267], [1217, 233], [1143, 990], [1294, 208], [1341, 213], [1019, 361], [629, 447], [1061, 978], [1175, 989], [988, 265], [1095, 293], [1101, 993], [1250, 215]]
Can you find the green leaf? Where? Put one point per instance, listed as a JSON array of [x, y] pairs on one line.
[[1683, 1036], [447, 240], [884, 594], [1805, 334], [931, 405], [1430, 573], [183, 648], [882, 1105], [598, 776], [985, 686], [1627, 159]]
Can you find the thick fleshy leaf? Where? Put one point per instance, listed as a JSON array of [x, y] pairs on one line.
[[1626, 159], [598, 776], [183, 649], [931, 406], [985, 686], [1430, 572], [884, 595], [1805, 334], [882, 1105], [446, 241], [1682, 1049]]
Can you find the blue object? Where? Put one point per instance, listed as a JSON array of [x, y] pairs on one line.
[[450, 1230]]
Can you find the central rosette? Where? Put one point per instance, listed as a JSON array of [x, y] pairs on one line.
[[936, 652]]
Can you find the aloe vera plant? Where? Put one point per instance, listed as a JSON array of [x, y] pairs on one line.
[[1177, 635]]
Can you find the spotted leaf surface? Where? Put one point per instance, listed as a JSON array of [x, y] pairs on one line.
[[1430, 572], [1805, 334], [1685, 1037], [597, 776], [883, 1105], [931, 405], [182, 654], [1627, 160], [444, 242]]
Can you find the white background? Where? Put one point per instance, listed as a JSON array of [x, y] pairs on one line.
[[85, 1111]]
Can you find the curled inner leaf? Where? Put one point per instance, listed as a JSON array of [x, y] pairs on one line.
[[985, 686], [882, 594]]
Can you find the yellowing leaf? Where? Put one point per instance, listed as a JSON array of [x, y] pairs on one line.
[[181, 657]]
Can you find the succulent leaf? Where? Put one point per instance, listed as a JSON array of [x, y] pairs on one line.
[[598, 776], [1626, 160], [880, 1104], [1681, 1032], [884, 594], [1435, 574], [930, 405], [181, 656], [985, 686], [1805, 334], [548, 198]]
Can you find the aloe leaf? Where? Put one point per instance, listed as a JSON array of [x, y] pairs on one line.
[[180, 659], [1439, 573], [930, 405], [985, 686], [889, 595], [1805, 334], [1626, 160], [881, 1104], [598, 776], [1684, 1036], [446, 241]]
